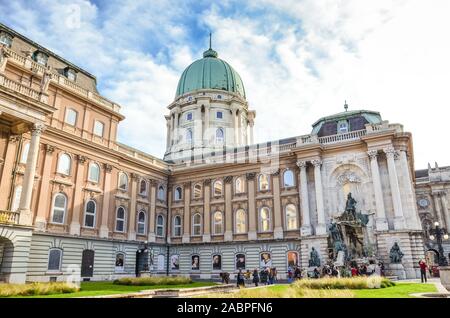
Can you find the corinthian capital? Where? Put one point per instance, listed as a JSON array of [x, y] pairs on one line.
[[316, 162], [389, 151], [301, 164], [37, 129], [372, 154]]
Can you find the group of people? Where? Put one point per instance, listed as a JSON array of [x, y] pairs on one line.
[[368, 269], [266, 276]]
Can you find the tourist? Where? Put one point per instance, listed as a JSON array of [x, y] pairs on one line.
[[275, 274], [247, 274], [263, 276], [240, 279], [225, 277], [290, 275], [381, 269], [423, 270], [255, 277], [270, 274], [354, 271], [371, 268]]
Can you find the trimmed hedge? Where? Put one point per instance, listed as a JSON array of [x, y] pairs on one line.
[[34, 289], [370, 282], [152, 281]]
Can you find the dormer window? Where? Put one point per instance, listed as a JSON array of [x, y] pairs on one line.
[[40, 58], [5, 39], [342, 127], [70, 74]]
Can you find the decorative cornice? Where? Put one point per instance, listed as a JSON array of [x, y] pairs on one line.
[[81, 159], [316, 162], [373, 154], [49, 149], [37, 129], [108, 167], [134, 176], [389, 151], [301, 164], [250, 175]]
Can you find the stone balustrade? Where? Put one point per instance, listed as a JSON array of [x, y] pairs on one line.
[[352, 135], [9, 217], [62, 81], [19, 88]]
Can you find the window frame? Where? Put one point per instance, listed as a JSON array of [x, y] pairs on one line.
[[198, 225], [200, 195], [177, 226], [64, 209], [139, 222], [295, 217], [259, 182], [160, 226], [236, 221], [59, 261], [241, 179], [58, 167], [117, 219], [221, 114], [120, 175], [189, 136], [269, 219], [220, 141], [215, 223], [284, 178], [163, 193], [120, 269], [94, 128], [214, 188], [68, 110], [91, 164], [175, 193], [145, 193], [91, 213], [189, 114]]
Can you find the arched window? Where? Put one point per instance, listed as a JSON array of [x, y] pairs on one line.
[[64, 164], [219, 136], [141, 222], [16, 200], [239, 184], [189, 136], [160, 225], [94, 173], [178, 194], [89, 213], [120, 219], [143, 187], [197, 224], [59, 208], [197, 191], [263, 182], [161, 193], [25, 149], [217, 188], [54, 259], [177, 226], [241, 221], [291, 217], [120, 262], [218, 223], [288, 178], [123, 181], [264, 219]]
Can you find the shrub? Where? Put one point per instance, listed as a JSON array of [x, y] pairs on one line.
[[370, 282], [34, 289], [152, 281]]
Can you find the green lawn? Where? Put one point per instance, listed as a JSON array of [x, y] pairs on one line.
[[401, 290], [108, 288]]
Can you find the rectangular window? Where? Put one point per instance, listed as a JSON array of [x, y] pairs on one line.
[[71, 117], [54, 260], [219, 115], [98, 128], [189, 116]]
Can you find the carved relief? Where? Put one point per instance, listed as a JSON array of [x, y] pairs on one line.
[[348, 176]]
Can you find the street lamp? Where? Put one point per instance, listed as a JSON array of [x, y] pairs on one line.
[[439, 234]]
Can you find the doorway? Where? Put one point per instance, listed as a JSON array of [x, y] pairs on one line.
[[87, 263]]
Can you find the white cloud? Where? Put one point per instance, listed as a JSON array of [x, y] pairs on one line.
[[299, 60]]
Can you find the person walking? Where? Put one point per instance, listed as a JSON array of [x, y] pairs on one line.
[[240, 279], [423, 270], [255, 277]]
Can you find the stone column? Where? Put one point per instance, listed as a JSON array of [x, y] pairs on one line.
[[104, 229], [169, 137], [410, 210], [228, 235], [187, 213], [41, 219], [207, 211], [206, 133], [198, 138], [234, 111], [133, 211], [26, 216], [381, 222], [437, 207], [305, 230], [252, 216], [78, 204], [239, 130], [399, 219], [152, 216], [250, 135], [8, 166], [278, 227], [321, 227], [445, 211], [175, 131], [86, 120]]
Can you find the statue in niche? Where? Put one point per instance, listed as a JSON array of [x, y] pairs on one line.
[[395, 254], [45, 82], [314, 260], [3, 58], [350, 206]]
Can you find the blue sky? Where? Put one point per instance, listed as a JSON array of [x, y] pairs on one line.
[[299, 59]]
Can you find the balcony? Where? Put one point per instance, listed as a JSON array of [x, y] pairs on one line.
[[9, 217]]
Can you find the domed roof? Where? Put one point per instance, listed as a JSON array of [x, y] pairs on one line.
[[210, 72]]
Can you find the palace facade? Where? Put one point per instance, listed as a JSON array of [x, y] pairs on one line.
[[73, 200]]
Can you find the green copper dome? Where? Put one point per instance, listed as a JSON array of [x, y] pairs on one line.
[[210, 72]]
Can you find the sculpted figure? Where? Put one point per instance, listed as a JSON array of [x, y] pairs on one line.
[[314, 259], [396, 254], [350, 206], [3, 58], [45, 82]]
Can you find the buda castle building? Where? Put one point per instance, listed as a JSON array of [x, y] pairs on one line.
[[75, 200]]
